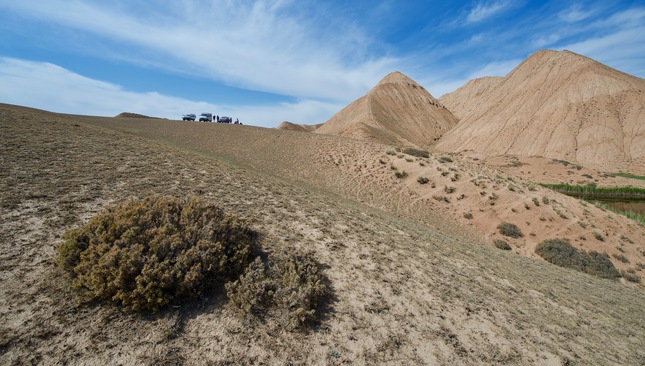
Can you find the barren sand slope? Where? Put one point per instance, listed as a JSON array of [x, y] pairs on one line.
[[290, 126], [397, 111], [469, 97], [557, 105], [458, 186], [403, 292]]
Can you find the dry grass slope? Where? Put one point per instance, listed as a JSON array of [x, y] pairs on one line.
[[408, 285]]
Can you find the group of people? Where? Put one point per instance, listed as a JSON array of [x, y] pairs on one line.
[[222, 119]]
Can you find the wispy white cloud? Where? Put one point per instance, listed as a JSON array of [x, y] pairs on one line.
[[272, 46], [575, 13], [619, 42], [497, 68], [53, 88], [484, 10], [546, 40]]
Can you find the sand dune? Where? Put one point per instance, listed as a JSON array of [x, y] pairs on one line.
[[397, 111], [557, 105]]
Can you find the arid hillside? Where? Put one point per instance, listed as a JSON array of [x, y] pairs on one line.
[[397, 111], [463, 101], [558, 105], [414, 279]]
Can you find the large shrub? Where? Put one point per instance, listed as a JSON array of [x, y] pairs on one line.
[[562, 253], [288, 288], [147, 253]]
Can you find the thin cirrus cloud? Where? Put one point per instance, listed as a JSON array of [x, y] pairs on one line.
[[264, 46], [81, 95], [575, 13], [484, 10]]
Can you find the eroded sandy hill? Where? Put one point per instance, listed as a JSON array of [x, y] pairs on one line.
[[469, 97], [557, 105], [397, 111]]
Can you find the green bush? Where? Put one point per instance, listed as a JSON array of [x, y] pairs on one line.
[[502, 244], [562, 253], [510, 230], [289, 288], [145, 254], [416, 152]]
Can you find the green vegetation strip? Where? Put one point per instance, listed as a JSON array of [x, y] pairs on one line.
[[593, 192], [639, 218], [631, 176]]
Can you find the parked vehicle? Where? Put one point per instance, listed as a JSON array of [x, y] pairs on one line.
[[189, 117], [224, 119], [206, 117]]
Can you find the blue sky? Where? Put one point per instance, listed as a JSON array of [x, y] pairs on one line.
[[269, 61]]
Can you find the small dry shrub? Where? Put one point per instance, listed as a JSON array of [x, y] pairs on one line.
[[400, 175], [423, 180], [598, 236], [621, 258], [449, 189], [416, 152], [287, 288], [445, 159], [145, 254], [468, 215], [510, 230], [502, 244], [630, 276], [561, 253]]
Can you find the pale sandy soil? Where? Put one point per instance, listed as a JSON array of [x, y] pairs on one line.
[[413, 281]]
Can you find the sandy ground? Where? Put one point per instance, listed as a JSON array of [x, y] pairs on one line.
[[414, 282]]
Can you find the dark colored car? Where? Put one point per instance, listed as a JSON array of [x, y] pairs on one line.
[[189, 117]]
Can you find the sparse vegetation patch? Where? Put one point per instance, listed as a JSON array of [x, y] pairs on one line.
[[402, 174], [561, 253], [510, 230], [288, 289], [145, 254], [502, 244], [416, 152]]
